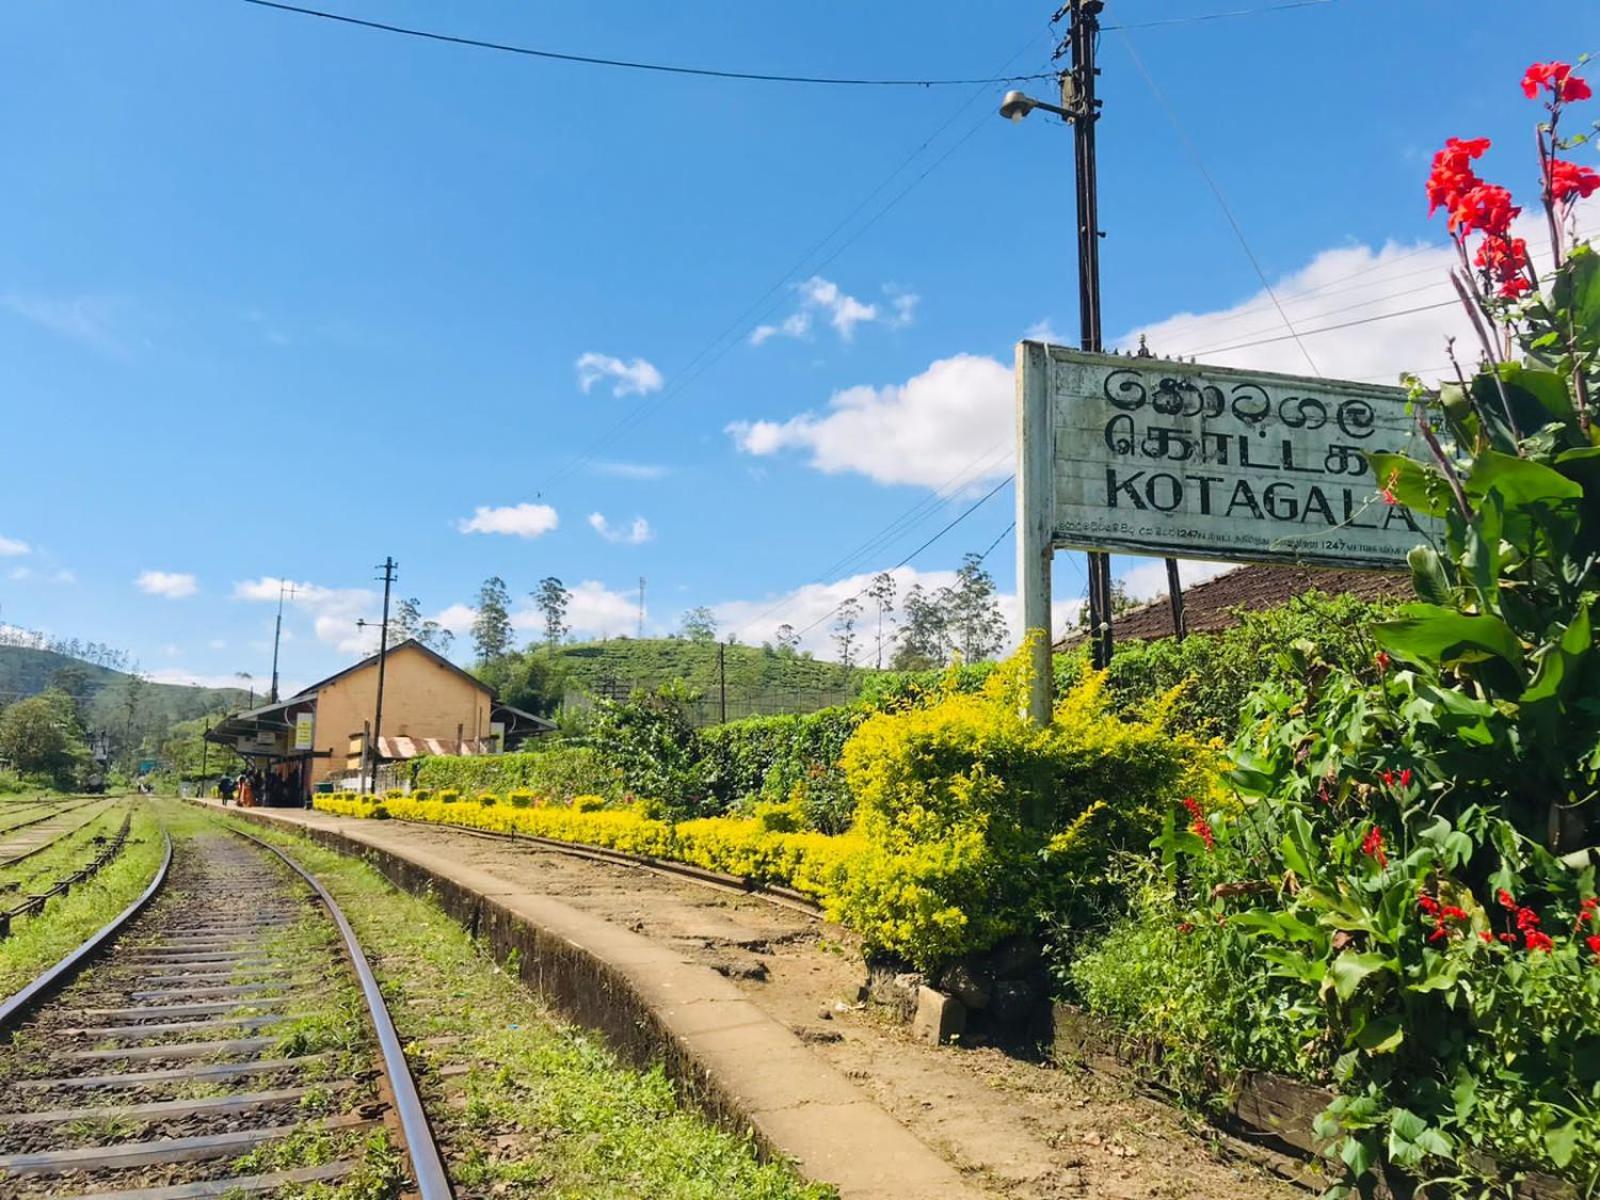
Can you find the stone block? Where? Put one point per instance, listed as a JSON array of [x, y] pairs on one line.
[[939, 1017]]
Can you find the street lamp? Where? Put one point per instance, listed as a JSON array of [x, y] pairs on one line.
[[1017, 105]]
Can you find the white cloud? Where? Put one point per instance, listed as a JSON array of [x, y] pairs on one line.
[[644, 472], [217, 644], [86, 319], [11, 547], [20, 573], [186, 678], [638, 378], [1043, 331], [1148, 579], [1339, 290], [925, 431], [63, 575], [593, 611], [457, 618], [518, 520], [174, 585], [172, 650], [333, 611], [823, 299], [634, 534]]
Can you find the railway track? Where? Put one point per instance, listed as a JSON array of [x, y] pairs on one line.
[[227, 1040], [43, 837], [37, 815]]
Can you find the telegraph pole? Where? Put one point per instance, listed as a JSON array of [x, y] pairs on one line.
[[277, 635], [388, 567], [1083, 111]]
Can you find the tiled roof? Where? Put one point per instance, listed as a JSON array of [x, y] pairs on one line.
[[1210, 605]]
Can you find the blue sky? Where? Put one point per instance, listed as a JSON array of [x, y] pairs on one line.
[[280, 297]]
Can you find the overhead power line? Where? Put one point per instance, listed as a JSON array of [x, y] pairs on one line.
[[591, 60], [1220, 16]]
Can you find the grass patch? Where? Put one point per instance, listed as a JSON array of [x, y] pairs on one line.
[[63, 858], [41, 941], [545, 1108]]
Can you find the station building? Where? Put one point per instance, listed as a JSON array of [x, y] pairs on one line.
[[319, 738]]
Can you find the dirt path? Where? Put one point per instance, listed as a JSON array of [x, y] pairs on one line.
[[1018, 1130]]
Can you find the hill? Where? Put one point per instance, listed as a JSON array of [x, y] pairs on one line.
[[103, 693], [759, 679]]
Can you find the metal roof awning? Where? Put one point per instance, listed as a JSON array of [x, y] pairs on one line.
[[390, 748], [269, 718]]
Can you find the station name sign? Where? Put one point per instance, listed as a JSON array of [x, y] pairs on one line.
[[1150, 456]]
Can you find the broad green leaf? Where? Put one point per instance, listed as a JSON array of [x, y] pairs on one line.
[[1519, 480], [1430, 634], [1562, 664], [1561, 1142], [1428, 576], [1420, 488], [1382, 1036], [1358, 1154], [1537, 392], [1350, 968], [1577, 290]]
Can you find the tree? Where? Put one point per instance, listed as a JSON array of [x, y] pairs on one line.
[[977, 627], [407, 622], [881, 592], [698, 625], [41, 736], [551, 600], [844, 630], [923, 634], [491, 628], [788, 640]]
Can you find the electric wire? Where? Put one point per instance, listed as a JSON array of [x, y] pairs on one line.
[[1219, 16], [1216, 191], [629, 64]]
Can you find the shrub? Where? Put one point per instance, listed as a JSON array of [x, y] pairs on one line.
[[520, 798], [785, 757], [588, 803], [488, 799], [656, 751], [422, 794], [449, 796], [976, 821], [559, 772]]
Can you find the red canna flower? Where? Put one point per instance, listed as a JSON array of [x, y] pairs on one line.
[[1486, 208], [1428, 904], [1569, 181], [1506, 899], [1534, 940], [1527, 919], [1452, 172], [1505, 261], [1486, 936], [1593, 943], [1439, 934], [1372, 846], [1558, 78], [1405, 777], [1509, 939], [1452, 913], [1383, 660], [1200, 827], [1387, 491], [1388, 778]]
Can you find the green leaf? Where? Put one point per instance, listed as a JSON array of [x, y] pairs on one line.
[[1358, 1154], [1382, 1036], [1428, 577], [1577, 290], [1561, 1142], [1541, 395], [1519, 480], [1560, 667], [1430, 634], [1420, 488], [1349, 969]]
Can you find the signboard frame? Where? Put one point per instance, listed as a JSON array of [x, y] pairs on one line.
[[1296, 408]]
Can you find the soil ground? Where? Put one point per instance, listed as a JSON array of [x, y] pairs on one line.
[[1018, 1129]]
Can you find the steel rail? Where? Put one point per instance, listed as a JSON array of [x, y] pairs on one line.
[[7, 830], [742, 885], [23, 1002], [433, 1183], [58, 839]]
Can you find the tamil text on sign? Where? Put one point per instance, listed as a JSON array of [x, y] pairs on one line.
[[1157, 457]]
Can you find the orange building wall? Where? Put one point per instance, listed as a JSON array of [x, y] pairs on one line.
[[421, 698]]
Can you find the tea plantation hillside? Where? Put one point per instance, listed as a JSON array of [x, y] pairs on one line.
[[103, 692], [623, 664]]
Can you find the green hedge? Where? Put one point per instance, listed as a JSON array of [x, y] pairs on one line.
[[560, 772], [785, 757]]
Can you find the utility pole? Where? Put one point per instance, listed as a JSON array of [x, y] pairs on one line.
[[388, 567], [277, 635], [1174, 583], [641, 606], [1083, 109], [205, 747]]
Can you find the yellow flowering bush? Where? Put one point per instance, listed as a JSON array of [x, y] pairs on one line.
[[977, 822]]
